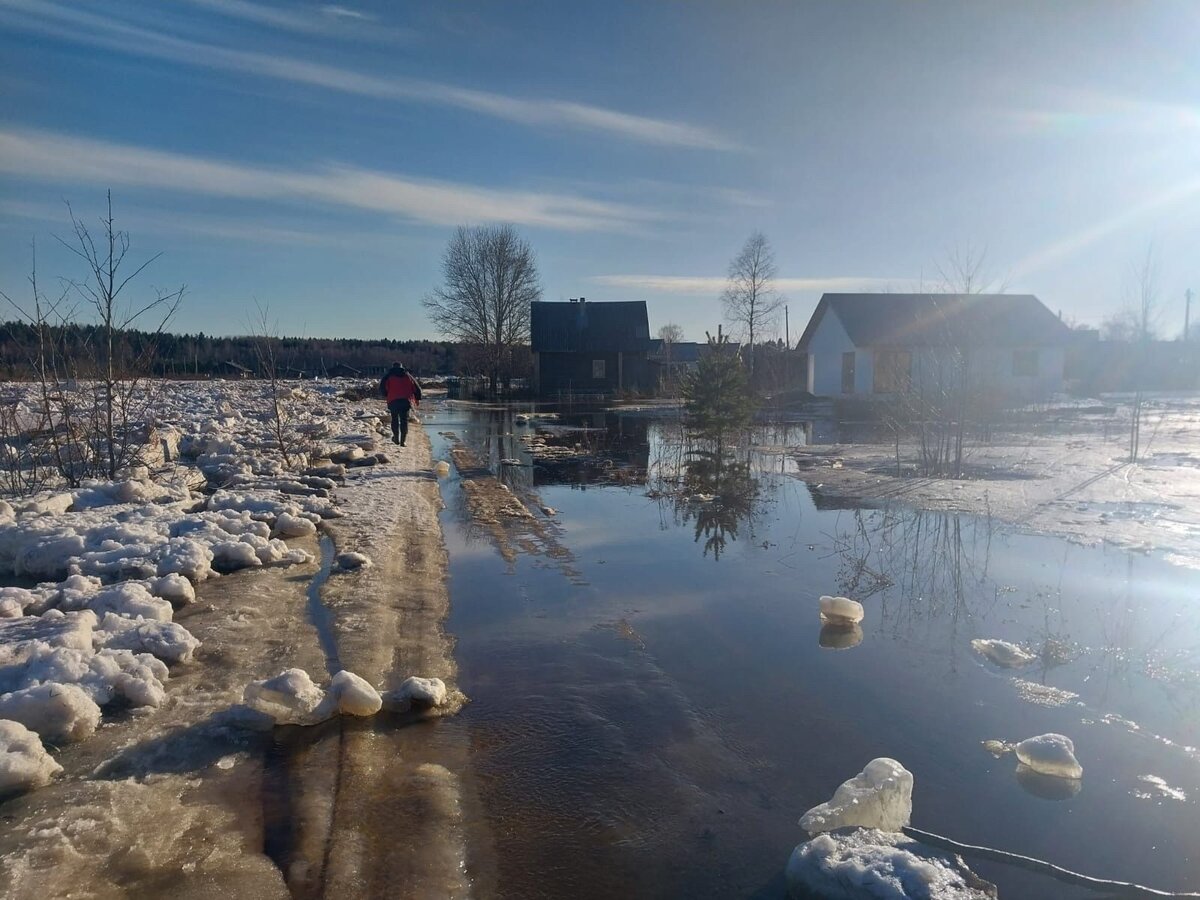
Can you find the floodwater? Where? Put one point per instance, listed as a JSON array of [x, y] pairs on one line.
[[654, 706]]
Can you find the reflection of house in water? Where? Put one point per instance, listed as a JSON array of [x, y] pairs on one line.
[[598, 447]]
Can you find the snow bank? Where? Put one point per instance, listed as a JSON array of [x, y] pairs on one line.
[[1050, 754], [1002, 653], [866, 864], [840, 611], [880, 796], [24, 762]]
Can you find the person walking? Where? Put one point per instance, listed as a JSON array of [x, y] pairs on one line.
[[402, 393]]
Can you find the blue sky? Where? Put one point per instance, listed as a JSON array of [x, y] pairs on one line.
[[314, 158]]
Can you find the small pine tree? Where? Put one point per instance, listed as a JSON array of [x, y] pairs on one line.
[[716, 394]]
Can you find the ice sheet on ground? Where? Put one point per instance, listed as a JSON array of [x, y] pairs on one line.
[[1050, 754], [840, 611], [866, 864], [24, 762], [880, 796], [1002, 653]]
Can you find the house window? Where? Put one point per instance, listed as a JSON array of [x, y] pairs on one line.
[[1025, 363], [848, 372], [893, 371], [597, 368]]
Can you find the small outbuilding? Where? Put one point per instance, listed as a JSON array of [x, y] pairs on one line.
[[864, 345], [590, 348]]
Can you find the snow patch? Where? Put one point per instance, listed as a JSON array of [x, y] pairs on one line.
[[1002, 653]]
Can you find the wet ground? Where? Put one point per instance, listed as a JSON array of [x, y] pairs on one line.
[[654, 707]]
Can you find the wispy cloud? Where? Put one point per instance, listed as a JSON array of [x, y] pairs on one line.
[[709, 285], [102, 31], [341, 12], [60, 157]]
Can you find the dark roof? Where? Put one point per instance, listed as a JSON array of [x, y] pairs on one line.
[[681, 351], [590, 327], [941, 320]]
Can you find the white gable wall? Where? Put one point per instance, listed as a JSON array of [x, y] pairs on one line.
[[825, 350]]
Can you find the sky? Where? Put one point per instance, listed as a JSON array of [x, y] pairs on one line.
[[314, 159]]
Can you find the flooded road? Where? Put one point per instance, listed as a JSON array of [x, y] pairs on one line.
[[655, 706]]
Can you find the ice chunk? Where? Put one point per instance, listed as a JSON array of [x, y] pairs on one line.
[[353, 561], [173, 588], [231, 555], [416, 691], [354, 695], [290, 698], [186, 557], [866, 864], [288, 525], [59, 713], [24, 762], [129, 599], [165, 640], [1002, 653], [1050, 754], [441, 468], [880, 796], [840, 611]]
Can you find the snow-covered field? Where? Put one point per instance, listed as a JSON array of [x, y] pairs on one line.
[[153, 627]]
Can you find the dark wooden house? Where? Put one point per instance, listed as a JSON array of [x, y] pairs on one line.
[[590, 348]]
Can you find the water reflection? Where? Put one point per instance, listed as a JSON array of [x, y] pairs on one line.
[[709, 485], [840, 637], [1047, 787]]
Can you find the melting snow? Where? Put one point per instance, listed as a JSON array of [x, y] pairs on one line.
[[880, 796]]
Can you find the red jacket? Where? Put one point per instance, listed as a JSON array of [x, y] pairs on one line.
[[400, 386]]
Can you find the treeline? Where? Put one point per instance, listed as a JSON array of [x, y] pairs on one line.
[[206, 356]]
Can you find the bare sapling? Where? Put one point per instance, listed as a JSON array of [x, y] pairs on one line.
[[120, 412], [266, 347]]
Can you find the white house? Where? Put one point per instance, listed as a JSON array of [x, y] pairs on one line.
[[863, 345]]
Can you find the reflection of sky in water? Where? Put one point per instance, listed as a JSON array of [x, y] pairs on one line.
[[665, 724]]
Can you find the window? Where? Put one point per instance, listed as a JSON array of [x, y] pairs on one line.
[[1025, 363], [597, 368], [848, 373], [893, 371]]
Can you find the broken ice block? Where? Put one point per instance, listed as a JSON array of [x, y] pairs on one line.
[[866, 864], [290, 698], [24, 762], [1002, 653], [1050, 754], [880, 796], [354, 695], [840, 611]]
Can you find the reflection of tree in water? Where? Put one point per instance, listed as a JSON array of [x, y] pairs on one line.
[[705, 484], [930, 569]]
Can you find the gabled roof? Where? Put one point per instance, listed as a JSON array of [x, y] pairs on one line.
[[941, 320], [681, 351], [621, 327]]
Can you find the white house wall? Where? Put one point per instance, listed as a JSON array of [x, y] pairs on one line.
[[825, 348], [992, 369]]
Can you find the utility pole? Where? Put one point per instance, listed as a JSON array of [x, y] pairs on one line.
[[1187, 313]]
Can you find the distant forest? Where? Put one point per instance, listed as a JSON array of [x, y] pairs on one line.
[[205, 356]]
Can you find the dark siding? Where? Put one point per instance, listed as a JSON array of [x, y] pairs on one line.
[[563, 372]]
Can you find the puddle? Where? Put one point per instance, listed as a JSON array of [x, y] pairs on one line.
[[318, 614], [658, 725]]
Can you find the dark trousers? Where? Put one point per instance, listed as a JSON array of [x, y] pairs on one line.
[[399, 410]]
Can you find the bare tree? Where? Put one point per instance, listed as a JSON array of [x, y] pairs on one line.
[[491, 279], [965, 271], [266, 349], [750, 299], [670, 334], [117, 369]]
